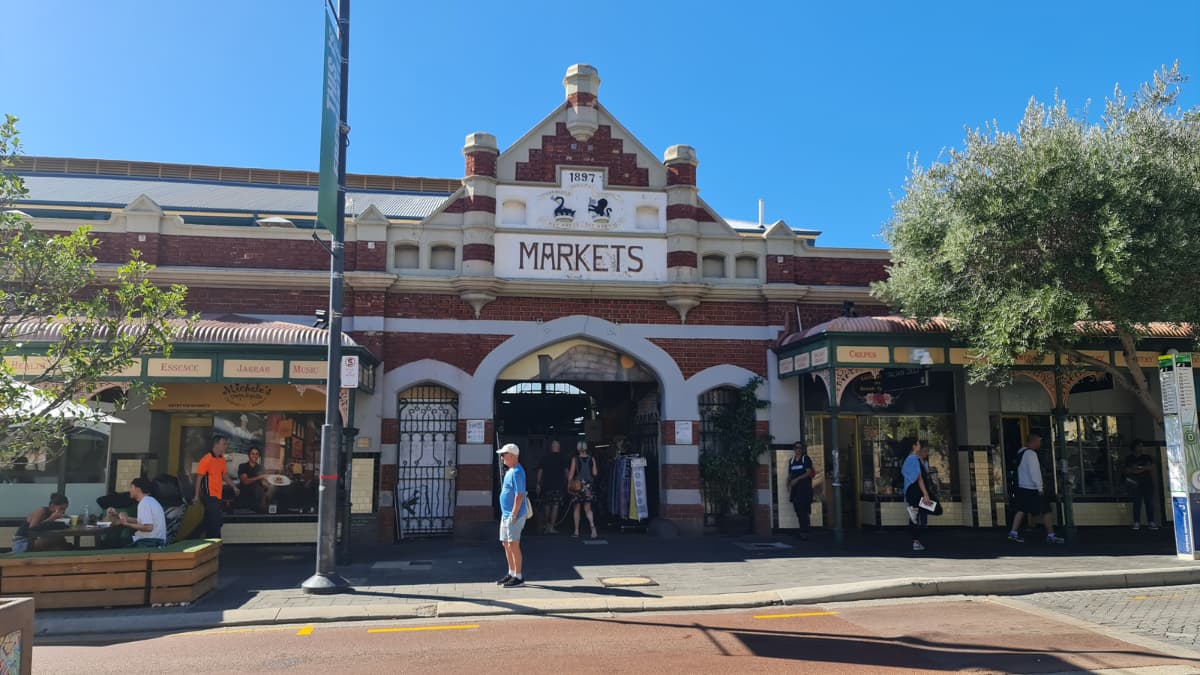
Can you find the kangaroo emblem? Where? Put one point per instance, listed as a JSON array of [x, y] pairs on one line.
[[562, 210], [599, 207]]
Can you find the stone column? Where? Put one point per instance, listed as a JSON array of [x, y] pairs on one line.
[[683, 233], [473, 512], [479, 216], [681, 501]]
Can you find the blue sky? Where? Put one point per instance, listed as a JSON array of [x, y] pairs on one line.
[[814, 107]]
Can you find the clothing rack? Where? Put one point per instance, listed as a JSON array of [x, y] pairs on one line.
[[623, 500]]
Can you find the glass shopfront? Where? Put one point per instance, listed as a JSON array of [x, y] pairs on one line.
[[78, 471], [274, 435]]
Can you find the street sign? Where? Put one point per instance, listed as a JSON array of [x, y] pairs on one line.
[[901, 379], [349, 372], [330, 146], [1183, 449]]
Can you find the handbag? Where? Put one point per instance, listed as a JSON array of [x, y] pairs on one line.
[[575, 486]]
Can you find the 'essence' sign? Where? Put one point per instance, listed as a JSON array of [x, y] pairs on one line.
[[532, 256]]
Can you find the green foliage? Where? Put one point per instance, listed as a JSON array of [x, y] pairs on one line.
[[728, 474], [1026, 239], [107, 317]]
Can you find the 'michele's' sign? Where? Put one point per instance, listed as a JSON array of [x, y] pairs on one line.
[[530, 255]]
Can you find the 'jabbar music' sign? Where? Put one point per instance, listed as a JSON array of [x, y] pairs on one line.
[[538, 256]]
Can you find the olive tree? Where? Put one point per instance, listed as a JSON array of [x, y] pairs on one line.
[[1066, 231]]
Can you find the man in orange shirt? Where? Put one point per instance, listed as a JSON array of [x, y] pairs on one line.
[[211, 477]]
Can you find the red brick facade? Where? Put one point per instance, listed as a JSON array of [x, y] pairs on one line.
[[601, 150]]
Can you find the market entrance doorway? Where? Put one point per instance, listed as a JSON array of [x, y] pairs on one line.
[[581, 392]]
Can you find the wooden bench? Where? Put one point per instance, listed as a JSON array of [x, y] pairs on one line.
[[181, 572]]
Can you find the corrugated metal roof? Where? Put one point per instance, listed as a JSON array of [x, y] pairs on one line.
[[192, 195], [205, 331], [901, 325]]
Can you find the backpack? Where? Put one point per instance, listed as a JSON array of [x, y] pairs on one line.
[[1014, 472]]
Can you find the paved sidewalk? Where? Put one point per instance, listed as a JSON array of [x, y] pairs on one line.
[[446, 578], [1170, 614]]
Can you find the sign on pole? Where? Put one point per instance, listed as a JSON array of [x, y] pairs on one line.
[[349, 372], [330, 147], [1183, 449]]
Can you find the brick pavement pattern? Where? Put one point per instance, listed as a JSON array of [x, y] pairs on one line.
[[1169, 613]]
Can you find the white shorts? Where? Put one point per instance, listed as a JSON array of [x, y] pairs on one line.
[[510, 531]]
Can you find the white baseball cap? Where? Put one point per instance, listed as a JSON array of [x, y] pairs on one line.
[[510, 449]]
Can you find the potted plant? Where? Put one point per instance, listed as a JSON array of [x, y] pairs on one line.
[[727, 474]]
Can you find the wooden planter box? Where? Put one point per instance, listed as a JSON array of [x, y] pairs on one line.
[[181, 572], [16, 636]]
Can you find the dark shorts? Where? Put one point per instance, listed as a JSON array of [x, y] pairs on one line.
[[552, 496], [1030, 502]]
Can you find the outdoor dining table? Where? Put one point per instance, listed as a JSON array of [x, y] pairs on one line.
[[77, 533]]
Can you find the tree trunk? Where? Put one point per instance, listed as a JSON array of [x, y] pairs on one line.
[[1131, 378]]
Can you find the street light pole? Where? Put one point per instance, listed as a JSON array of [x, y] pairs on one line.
[[326, 579]]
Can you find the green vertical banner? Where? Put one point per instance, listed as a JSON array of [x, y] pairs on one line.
[[330, 145]]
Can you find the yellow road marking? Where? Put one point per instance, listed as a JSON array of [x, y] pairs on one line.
[[236, 631], [793, 616], [307, 630], [411, 629]]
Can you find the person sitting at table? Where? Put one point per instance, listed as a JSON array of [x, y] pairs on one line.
[[150, 527], [41, 519]]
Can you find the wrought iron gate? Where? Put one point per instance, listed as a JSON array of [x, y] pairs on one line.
[[713, 403], [427, 461]]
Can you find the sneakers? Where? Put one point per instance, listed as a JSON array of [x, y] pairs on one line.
[[918, 546], [514, 582], [1153, 526], [912, 514], [1137, 526], [504, 579], [1055, 539], [1013, 536]]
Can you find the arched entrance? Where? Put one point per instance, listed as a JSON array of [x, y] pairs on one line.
[[578, 390]]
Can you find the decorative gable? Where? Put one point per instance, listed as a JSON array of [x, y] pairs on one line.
[[601, 150]]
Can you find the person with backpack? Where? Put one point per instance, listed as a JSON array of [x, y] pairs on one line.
[[1030, 495]]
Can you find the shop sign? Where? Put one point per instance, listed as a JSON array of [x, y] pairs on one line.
[[820, 356], [863, 355], [27, 366], [575, 257], [132, 370], [683, 432], [1145, 359], [241, 369], [307, 370], [476, 431], [182, 368], [241, 396], [787, 365], [802, 361], [901, 379]]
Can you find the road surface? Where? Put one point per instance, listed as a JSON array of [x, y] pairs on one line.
[[892, 637]]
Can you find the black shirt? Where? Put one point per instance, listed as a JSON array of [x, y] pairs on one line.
[[554, 471], [798, 466], [1144, 467]]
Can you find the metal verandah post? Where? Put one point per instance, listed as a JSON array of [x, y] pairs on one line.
[[1062, 466], [839, 532], [326, 579]]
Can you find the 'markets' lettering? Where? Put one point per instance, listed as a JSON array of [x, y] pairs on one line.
[[564, 257]]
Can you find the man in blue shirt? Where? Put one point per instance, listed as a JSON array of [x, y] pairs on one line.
[[514, 511]]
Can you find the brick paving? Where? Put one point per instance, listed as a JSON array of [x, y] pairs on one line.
[[1168, 613]]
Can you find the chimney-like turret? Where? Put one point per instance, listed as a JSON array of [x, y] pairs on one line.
[[582, 83]]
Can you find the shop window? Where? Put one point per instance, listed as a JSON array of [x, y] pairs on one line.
[[880, 456], [408, 256], [512, 212], [1092, 446], [746, 267], [441, 258], [713, 267], [27, 480]]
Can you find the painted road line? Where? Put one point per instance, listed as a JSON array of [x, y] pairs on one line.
[[412, 629], [307, 630], [793, 616]]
